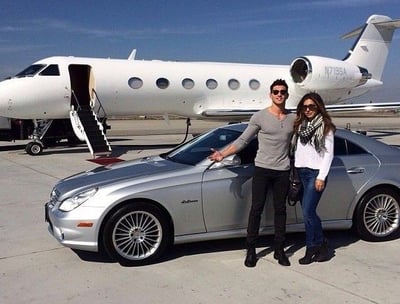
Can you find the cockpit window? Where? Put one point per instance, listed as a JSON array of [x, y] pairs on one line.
[[31, 70], [51, 70]]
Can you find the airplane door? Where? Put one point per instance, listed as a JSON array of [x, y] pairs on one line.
[[82, 85]]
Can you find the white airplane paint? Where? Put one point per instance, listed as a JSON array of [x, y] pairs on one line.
[[52, 87]]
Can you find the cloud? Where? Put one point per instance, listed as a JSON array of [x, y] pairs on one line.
[[21, 48], [61, 26], [13, 29]]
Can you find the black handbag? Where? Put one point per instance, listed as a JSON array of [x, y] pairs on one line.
[[295, 192]]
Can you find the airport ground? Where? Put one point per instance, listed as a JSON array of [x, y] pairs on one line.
[[34, 268]]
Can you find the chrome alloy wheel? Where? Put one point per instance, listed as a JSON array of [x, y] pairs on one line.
[[381, 215], [137, 235]]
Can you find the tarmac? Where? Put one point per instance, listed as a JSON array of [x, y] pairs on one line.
[[34, 268]]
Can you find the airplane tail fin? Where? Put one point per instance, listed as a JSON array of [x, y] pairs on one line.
[[371, 49]]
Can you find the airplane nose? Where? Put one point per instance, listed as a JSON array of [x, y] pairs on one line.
[[11, 98], [33, 98]]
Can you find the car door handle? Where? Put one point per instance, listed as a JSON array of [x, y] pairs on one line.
[[356, 170]]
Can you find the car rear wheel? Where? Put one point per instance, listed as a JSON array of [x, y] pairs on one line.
[[136, 234], [378, 215]]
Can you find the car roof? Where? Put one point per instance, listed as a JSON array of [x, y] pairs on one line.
[[240, 126], [369, 143]]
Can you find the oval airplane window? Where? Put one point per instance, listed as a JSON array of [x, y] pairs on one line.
[[162, 83], [211, 84], [233, 84], [135, 83], [188, 83], [254, 84]]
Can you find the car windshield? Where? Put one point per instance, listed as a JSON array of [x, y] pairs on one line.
[[30, 71], [199, 148]]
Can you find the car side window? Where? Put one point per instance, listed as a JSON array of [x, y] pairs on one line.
[[248, 154], [339, 147], [353, 148], [346, 147]]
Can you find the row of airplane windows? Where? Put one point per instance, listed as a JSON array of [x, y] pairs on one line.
[[187, 83], [137, 83]]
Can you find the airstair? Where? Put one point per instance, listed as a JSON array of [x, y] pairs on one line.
[[89, 124]]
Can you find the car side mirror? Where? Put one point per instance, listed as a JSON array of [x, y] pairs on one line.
[[231, 160]]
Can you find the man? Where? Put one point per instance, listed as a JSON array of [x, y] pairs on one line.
[[273, 126]]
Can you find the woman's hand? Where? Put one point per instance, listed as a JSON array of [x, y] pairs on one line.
[[319, 185]]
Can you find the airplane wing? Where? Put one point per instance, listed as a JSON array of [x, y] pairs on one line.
[[229, 114], [351, 109], [365, 107]]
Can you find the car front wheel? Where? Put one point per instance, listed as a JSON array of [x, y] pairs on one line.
[[378, 215], [136, 234]]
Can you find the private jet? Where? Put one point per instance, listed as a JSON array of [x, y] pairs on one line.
[[85, 91]]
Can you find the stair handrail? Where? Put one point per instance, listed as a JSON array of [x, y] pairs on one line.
[[79, 107], [100, 107]]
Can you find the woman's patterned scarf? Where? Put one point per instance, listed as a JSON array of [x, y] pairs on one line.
[[313, 133]]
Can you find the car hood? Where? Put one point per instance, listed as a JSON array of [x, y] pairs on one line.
[[117, 172]]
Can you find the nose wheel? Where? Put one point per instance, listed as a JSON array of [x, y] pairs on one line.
[[34, 148], [40, 129]]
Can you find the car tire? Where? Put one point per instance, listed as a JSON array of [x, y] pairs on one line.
[[378, 215], [136, 234]]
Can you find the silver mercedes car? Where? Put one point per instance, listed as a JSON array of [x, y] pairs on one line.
[[134, 210]]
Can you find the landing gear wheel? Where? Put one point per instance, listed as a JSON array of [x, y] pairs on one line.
[[34, 148], [136, 234]]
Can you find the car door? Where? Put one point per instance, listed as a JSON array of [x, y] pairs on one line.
[[352, 167], [226, 196], [227, 193]]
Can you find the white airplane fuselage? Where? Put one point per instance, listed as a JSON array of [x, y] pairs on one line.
[[204, 90], [49, 97]]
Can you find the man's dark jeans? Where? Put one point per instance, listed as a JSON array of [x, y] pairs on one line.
[[265, 180]]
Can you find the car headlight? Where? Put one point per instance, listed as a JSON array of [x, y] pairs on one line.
[[75, 201]]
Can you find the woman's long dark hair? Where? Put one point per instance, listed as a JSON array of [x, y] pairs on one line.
[[329, 125]]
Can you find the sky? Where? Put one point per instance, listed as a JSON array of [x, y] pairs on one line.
[[260, 32]]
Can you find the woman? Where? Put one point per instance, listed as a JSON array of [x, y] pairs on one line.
[[313, 151]]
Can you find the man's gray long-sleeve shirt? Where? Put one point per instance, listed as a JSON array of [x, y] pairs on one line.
[[273, 139]]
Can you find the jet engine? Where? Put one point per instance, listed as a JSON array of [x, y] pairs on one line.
[[315, 73]]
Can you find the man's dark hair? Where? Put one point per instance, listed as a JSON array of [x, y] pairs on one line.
[[279, 82]]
